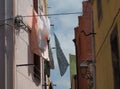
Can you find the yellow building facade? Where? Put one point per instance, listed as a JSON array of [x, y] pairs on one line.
[[106, 14]]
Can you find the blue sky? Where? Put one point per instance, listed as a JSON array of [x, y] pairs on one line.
[[64, 29]]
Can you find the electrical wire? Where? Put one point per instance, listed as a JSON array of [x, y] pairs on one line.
[[2, 24], [6, 24], [24, 76], [37, 76], [10, 18], [88, 34], [57, 14], [108, 33], [28, 77]]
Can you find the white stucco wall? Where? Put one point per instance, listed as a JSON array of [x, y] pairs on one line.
[[24, 74], [23, 55]]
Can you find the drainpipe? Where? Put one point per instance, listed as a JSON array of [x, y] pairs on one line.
[[14, 61], [77, 80], [93, 55]]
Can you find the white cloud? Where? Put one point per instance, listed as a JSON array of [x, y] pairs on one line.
[[65, 5], [64, 29], [65, 84], [61, 82], [65, 33]]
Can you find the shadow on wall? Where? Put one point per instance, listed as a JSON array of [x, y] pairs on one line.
[[9, 54], [34, 70]]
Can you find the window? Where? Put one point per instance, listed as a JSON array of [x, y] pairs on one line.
[[115, 58], [35, 5], [37, 67], [99, 10]]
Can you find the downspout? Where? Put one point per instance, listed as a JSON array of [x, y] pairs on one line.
[[6, 83], [93, 54], [77, 78], [14, 61]]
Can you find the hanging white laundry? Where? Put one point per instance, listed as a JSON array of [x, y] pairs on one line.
[[43, 32]]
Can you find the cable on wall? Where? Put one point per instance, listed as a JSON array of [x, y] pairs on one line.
[[118, 13]]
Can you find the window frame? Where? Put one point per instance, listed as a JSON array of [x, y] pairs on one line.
[[37, 67]]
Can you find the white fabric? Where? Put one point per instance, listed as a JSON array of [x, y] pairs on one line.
[[42, 29], [43, 35], [46, 22]]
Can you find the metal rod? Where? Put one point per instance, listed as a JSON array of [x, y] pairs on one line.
[[25, 65]]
